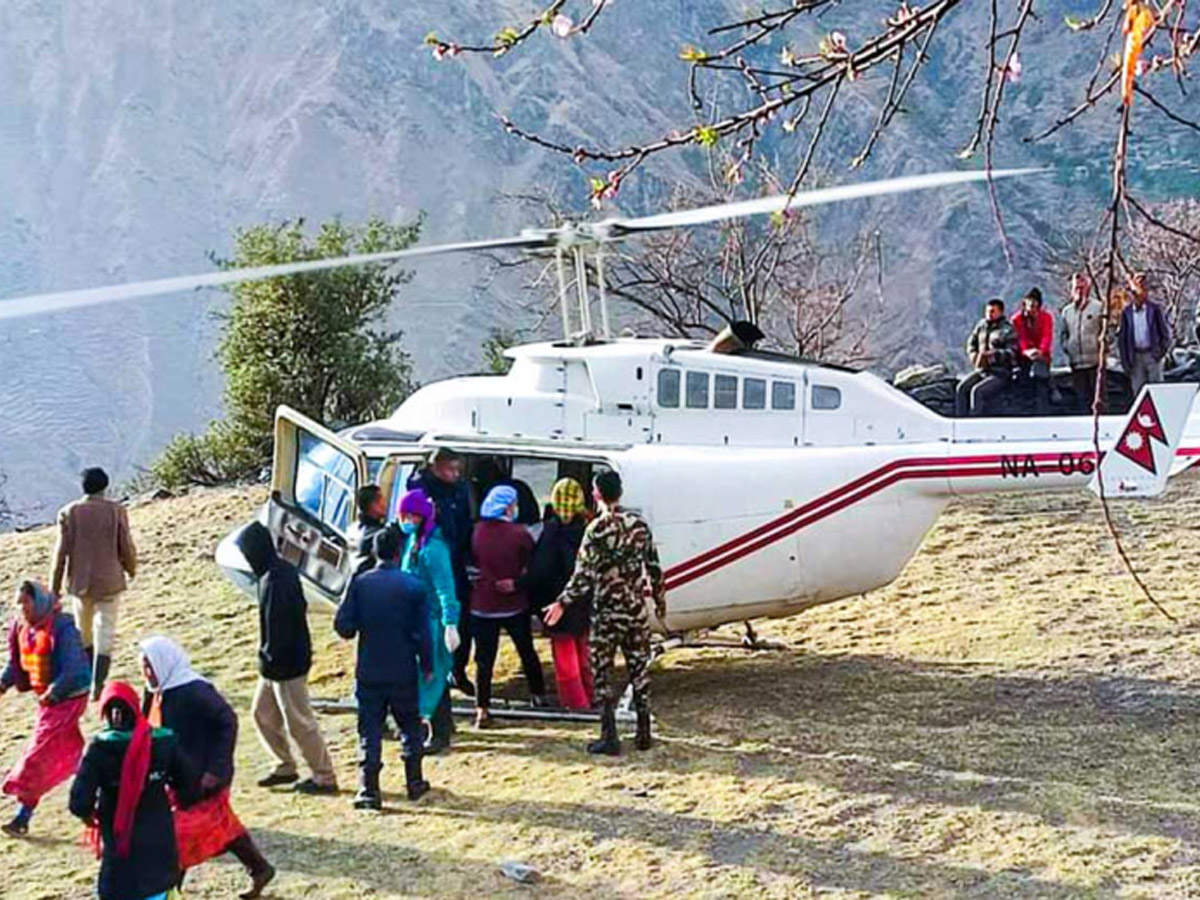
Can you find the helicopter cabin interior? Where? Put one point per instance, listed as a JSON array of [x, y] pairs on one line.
[[317, 474]]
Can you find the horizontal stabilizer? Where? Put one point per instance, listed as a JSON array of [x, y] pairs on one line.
[[1139, 463]]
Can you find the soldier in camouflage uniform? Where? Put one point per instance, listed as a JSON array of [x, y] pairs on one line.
[[615, 560]]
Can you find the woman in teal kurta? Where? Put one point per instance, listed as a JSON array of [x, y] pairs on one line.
[[427, 555]]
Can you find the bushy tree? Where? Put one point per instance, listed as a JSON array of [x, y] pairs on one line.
[[494, 345], [316, 342]]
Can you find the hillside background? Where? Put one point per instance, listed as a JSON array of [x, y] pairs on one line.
[[134, 139]]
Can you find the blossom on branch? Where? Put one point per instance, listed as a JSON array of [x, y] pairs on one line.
[[562, 26]]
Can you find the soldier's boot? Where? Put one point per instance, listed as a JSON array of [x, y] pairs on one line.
[[644, 739], [100, 674], [416, 785], [368, 796], [610, 742]]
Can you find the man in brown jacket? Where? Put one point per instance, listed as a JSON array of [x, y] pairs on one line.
[[95, 552]]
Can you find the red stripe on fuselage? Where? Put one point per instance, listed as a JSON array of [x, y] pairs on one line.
[[805, 509], [837, 500]]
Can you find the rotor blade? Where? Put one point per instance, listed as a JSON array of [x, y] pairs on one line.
[[43, 303], [782, 202]]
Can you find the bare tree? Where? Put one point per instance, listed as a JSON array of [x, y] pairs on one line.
[[779, 80], [1171, 259]]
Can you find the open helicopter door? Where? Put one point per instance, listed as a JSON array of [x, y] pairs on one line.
[[314, 485]]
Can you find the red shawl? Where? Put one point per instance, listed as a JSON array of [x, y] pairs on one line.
[[134, 767]]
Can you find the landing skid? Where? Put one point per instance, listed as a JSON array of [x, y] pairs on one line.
[[749, 640], [502, 709]]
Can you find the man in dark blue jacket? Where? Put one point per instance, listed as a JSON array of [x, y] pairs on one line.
[[385, 609], [1145, 337], [442, 480]]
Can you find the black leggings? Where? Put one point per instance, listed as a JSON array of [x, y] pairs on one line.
[[487, 643]]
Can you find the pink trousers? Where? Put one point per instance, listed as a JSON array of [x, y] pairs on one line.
[[572, 670], [52, 754]]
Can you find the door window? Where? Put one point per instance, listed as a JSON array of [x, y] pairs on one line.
[[325, 483], [826, 397]]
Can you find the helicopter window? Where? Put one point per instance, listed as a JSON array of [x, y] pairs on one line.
[[668, 388], [697, 390], [826, 397], [725, 392], [754, 393], [783, 395], [325, 482]]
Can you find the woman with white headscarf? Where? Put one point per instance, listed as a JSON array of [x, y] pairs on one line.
[[205, 727]]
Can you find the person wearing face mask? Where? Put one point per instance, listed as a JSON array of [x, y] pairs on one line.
[[427, 555], [502, 550]]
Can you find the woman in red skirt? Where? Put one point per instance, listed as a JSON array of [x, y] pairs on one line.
[[548, 573], [205, 726], [45, 657]]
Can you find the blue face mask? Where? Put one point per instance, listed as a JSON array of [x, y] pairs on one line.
[[408, 527]]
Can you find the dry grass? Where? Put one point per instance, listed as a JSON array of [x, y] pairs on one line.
[[1005, 720]]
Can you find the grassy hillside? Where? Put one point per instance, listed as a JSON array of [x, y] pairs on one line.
[[1006, 720]]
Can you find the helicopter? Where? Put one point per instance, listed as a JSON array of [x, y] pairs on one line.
[[772, 483]]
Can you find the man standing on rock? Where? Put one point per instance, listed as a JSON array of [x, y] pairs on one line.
[[1145, 336], [1079, 330], [615, 560], [94, 552]]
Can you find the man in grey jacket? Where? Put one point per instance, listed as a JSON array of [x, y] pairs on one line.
[[1079, 328]]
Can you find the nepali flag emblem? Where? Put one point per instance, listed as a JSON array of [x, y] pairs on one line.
[[1145, 426]]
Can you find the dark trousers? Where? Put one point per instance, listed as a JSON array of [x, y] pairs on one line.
[[1084, 382], [375, 703], [1035, 374], [487, 644], [978, 391]]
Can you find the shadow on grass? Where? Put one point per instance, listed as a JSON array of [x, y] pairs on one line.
[[825, 864], [1087, 749], [1081, 749]]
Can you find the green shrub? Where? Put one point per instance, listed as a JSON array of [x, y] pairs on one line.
[[317, 342]]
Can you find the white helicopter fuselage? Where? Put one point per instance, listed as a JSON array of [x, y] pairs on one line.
[[771, 484]]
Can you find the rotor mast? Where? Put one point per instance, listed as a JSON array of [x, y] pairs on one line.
[[577, 240]]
